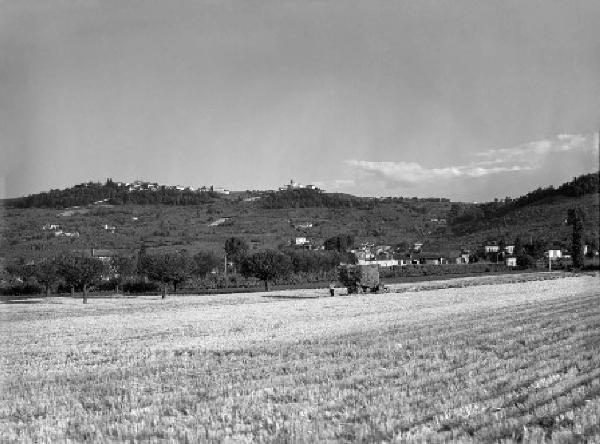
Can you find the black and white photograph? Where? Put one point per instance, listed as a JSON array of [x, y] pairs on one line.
[[298, 221]]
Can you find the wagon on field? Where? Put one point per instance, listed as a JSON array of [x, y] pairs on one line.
[[360, 278]]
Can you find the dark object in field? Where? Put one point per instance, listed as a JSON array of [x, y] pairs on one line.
[[360, 278]]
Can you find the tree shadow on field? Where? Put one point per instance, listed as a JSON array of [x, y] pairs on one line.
[[282, 296], [20, 301]]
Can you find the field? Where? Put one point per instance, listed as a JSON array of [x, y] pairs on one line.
[[438, 361]]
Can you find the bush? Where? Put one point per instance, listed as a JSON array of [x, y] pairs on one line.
[[140, 287], [438, 270], [26, 288]]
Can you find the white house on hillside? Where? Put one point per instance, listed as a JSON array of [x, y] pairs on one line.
[[491, 248], [554, 254]]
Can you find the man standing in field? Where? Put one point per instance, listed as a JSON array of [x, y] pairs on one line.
[[332, 289]]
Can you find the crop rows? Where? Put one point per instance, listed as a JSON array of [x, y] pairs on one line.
[[514, 371]]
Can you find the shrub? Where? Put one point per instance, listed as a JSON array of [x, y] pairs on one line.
[[140, 287], [18, 289]]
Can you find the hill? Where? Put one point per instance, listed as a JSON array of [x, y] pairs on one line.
[[540, 214], [202, 220]]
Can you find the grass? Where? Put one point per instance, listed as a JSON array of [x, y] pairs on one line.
[[511, 361]]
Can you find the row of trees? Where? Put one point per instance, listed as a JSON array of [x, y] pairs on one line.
[[308, 198], [172, 269], [75, 272]]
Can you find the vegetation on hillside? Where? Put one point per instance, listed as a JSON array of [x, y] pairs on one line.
[[111, 193], [579, 186], [309, 198]]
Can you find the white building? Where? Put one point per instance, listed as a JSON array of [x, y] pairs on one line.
[[301, 241], [554, 254], [381, 263]]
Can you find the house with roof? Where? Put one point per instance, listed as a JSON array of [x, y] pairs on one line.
[[429, 258], [380, 262], [491, 248], [554, 253], [302, 242]]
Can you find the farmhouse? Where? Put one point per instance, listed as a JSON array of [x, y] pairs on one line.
[[380, 262], [61, 233], [429, 258], [510, 261], [554, 254], [218, 222], [491, 249], [302, 242], [302, 225]]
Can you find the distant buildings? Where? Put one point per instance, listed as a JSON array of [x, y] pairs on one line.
[[491, 249], [554, 254], [297, 186], [218, 222]]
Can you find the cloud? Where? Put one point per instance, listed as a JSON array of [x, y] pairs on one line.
[[532, 152], [414, 173], [524, 157]]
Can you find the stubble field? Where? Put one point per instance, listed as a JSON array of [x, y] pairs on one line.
[[511, 361]]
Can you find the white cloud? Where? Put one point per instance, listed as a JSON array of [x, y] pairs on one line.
[[524, 157], [531, 152], [413, 172]]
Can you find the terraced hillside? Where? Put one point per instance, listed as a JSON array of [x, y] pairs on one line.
[[513, 361]]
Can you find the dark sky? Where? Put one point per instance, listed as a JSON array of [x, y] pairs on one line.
[[463, 99]]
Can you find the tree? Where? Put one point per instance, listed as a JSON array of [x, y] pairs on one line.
[[205, 262], [123, 267], [575, 218], [518, 246], [341, 243], [45, 272], [266, 265], [167, 268], [80, 272], [235, 249], [402, 246]]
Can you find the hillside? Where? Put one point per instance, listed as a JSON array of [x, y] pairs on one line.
[[205, 227], [272, 219], [538, 215]]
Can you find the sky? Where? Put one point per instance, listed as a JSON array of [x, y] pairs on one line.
[[468, 100]]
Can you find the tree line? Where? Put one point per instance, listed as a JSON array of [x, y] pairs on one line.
[[90, 192], [309, 198], [579, 186], [172, 269]]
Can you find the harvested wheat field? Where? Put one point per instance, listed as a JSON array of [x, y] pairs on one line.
[[442, 361]]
